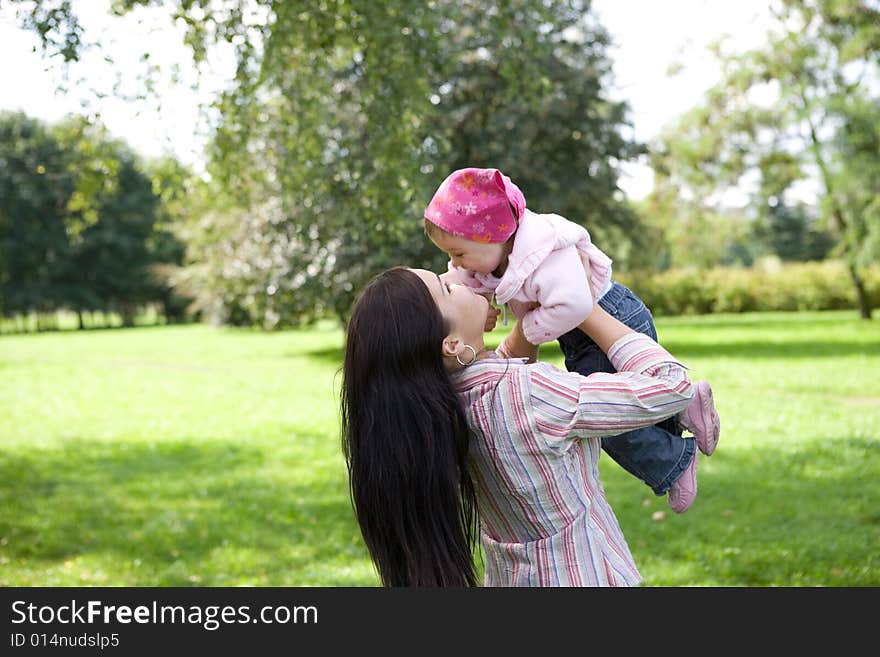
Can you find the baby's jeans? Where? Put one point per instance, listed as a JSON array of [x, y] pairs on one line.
[[656, 454]]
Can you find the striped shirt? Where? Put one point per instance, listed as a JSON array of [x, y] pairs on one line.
[[534, 460]]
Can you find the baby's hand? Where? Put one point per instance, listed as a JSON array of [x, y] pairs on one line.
[[491, 315], [491, 319]]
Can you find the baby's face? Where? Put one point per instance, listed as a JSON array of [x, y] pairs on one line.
[[482, 257]]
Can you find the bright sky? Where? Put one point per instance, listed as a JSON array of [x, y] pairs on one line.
[[648, 35]]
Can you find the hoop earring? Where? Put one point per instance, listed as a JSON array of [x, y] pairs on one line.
[[471, 361]]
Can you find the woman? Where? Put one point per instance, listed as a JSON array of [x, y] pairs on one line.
[[435, 426]]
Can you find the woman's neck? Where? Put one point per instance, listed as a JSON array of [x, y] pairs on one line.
[[483, 352]]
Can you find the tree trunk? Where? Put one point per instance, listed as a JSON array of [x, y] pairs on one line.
[[127, 315], [840, 222], [862, 297]]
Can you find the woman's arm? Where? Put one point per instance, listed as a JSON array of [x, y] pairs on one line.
[[604, 329], [649, 386], [515, 345]]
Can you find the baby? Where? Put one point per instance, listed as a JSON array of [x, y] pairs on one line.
[[532, 263]]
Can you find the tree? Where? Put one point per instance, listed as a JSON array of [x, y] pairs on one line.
[[176, 189], [821, 68], [790, 232], [111, 257], [35, 186], [786, 228], [339, 134], [345, 115], [79, 221]]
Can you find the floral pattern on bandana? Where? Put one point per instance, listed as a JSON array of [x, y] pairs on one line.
[[476, 204]]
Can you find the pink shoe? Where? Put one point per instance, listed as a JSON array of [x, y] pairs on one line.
[[701, 418], [684, 490]]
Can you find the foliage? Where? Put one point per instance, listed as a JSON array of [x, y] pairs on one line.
[[791, 232], [767, 286], [345, 115], [78, 221], [820, 67], [35, 187], [192, 456], [337, 136]]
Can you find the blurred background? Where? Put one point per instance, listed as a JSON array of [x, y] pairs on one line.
[[210, 182], [254, 163]]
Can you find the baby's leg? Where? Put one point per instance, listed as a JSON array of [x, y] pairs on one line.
[[658, 455]]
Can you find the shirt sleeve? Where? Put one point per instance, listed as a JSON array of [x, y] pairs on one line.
[[649, 386], [561, 287]]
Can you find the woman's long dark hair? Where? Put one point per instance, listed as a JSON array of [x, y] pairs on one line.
[[405, 438]]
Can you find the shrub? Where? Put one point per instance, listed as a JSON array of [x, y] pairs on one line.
[[769, 285]]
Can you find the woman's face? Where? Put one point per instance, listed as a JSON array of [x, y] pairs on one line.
[[464, 310]]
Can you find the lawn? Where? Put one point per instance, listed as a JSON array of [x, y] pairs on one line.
[[197, 456]]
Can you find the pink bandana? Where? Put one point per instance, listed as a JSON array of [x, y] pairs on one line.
[[475, 204]]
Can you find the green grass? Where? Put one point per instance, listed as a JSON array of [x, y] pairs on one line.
[[182, 456]]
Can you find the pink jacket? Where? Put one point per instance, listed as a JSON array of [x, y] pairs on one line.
[[544, 282]]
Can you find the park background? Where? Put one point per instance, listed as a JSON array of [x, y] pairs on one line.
[[173, 306]]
